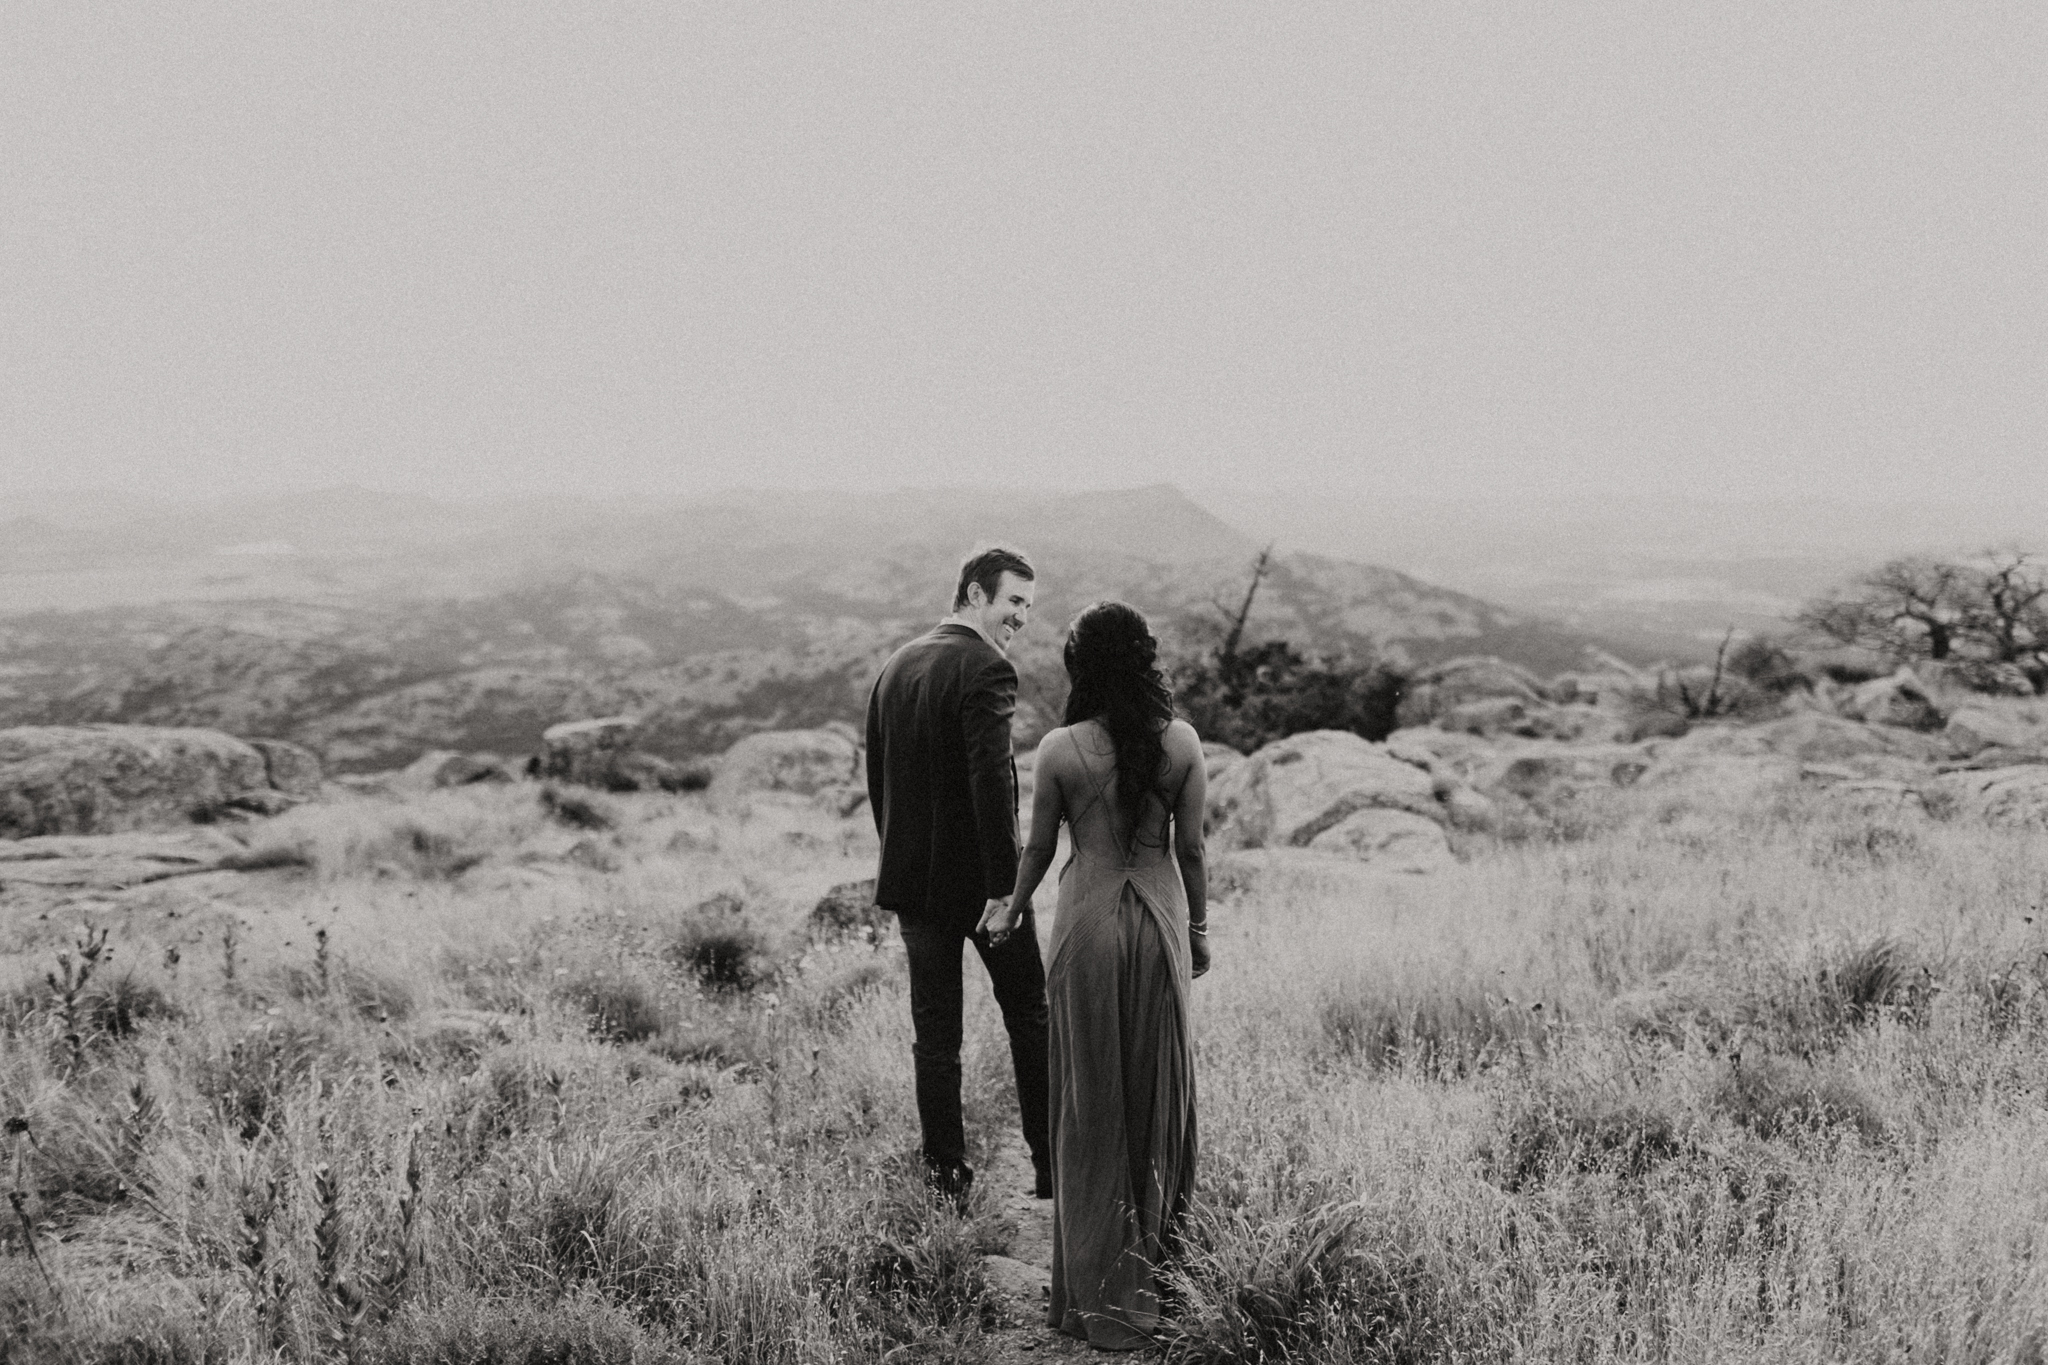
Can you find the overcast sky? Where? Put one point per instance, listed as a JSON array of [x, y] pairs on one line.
[[1421, 248]]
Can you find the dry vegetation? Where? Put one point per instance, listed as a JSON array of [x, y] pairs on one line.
[[457, 1081]]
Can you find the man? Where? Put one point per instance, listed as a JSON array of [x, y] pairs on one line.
[[944, 793]]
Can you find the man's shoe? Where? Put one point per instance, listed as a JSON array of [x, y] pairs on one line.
[[1041, 1188]]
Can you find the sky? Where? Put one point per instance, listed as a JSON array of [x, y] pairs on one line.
[[1562, 252]]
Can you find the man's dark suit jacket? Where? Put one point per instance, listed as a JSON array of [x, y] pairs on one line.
[[940, 777]]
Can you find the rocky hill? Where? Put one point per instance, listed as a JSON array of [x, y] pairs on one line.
[[373, 628]]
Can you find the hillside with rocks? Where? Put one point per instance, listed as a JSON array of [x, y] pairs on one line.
[[373, 630]]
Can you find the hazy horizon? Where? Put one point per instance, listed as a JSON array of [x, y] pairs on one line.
[[1589, 253]]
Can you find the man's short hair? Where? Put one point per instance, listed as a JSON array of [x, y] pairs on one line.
[[987, 569]]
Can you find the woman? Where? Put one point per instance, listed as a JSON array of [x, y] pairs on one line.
[[1130, 934]]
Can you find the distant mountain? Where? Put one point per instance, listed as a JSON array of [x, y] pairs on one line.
[[393, 626]]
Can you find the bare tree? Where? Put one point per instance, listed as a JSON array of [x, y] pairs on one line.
[[1227, 653], [2011, 619], [1910, 608]]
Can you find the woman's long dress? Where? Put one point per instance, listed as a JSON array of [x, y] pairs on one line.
[[1123, 1084]]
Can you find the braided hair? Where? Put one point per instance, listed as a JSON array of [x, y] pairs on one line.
[[1113, 663]]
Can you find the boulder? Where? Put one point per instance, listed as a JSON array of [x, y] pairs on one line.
[[586, 751], [114, 861], [99, 779], [1437, 690], [635, 771], [438, 768], [1879, 799], [1466, 807], [1973, 729], [2016, 797], [1392, 840], [601, 753], [1814, 737], [1998, 679], [843, 801], [1443, 753], [1490, 716], [466, 770], [1592, 689], [1503, 716], [1545, 772], [1297, 788], [423, 773], [802, 762], [1899, 700], [291, 768], [1218, 759]]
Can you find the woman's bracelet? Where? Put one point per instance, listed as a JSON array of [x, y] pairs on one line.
[[1201, 929]]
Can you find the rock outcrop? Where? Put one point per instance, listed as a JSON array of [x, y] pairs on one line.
[[799, 762], [1500, 717], [115, 861], [587, 752], [1218, 759], [2016, 797], [1391, 840], [601, 753], [103, 779], [1299, 788], [292, 769], [1900, 700], [1436, 691], [1973, 729], [446, 768]]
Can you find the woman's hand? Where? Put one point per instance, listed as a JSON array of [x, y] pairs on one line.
[[1000, 919], [1198, 951]]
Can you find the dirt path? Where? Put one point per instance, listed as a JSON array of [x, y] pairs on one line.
[[1022, 1278]]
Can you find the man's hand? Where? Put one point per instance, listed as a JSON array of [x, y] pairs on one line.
[[1198, 952], [998, 920]]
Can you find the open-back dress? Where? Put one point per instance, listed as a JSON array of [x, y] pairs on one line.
[[1123, 1082]]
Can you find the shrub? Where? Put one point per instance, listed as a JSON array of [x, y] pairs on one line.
[[22, 1004], [578, 810], [36, 1325], [1768, 666], [848, 908], [248, 1081], [1324, 1286], [125, 1002], [734, 1043], [1254, 695], [715, 941], [828, 993], [432, 854], [918, 1271], [1773, 1097], [1443, 1030], [621, 1008], [468, 1329], [81, 1151], [367, 993], [1556, 1128], [1876, 843]]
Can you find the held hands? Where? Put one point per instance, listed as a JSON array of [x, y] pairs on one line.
[[999, 920]]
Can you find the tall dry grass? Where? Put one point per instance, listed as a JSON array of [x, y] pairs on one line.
[[1731, 1081]]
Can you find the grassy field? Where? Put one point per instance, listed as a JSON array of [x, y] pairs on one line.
[[477, 1078]]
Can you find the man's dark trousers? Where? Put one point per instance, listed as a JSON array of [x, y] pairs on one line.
[[936, 1000]]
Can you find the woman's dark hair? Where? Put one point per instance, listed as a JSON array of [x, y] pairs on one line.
[[1113, 663]]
